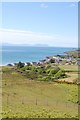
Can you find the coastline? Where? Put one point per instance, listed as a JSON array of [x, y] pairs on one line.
[[65, 53], [15, 54]]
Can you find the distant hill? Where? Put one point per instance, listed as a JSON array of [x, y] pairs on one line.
[[7, 44], [34, 45], [41, 45]]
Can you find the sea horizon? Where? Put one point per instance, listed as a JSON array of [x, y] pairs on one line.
[[35, 45]]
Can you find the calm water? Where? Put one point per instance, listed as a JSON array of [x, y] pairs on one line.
[[12, 54]]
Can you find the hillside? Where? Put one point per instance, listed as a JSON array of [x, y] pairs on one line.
[[24, 98]]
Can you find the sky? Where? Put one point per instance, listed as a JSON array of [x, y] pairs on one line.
[[55, 24]]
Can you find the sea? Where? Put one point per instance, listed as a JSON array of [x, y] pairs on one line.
[[14, 54]]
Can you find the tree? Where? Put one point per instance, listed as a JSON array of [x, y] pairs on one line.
[[52, 61], [20, 65]]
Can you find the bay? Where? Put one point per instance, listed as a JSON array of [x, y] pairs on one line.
[[13, 54]]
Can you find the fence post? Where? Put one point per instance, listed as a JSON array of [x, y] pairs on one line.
[[36, 101], [47, 102]]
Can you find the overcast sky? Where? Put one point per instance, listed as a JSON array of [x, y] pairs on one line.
[[55, 24]]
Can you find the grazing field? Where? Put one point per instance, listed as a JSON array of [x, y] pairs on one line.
[[69, 67], [24, 98], [73, 72]]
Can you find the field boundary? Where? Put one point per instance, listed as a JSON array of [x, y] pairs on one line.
[[40, 119]]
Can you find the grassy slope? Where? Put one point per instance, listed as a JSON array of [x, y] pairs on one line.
[[73, 76], [69, 67], [26, 98]]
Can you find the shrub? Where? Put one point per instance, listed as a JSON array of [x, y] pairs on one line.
[[20, 65], [27, 67], [40, 77], [52, 61], [54, 71], [45, 78], [48, 70], [41, 71], [34, 69], [23, 68], [60, 74]]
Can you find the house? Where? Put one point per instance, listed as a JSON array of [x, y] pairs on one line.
[[39, 63], [78, 62], [9, 64], [34, 63], [53, 59], [25, 64], [28, 63], [42, 61]]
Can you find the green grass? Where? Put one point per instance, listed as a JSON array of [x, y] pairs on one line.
[[69, 67], [24, 98]]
